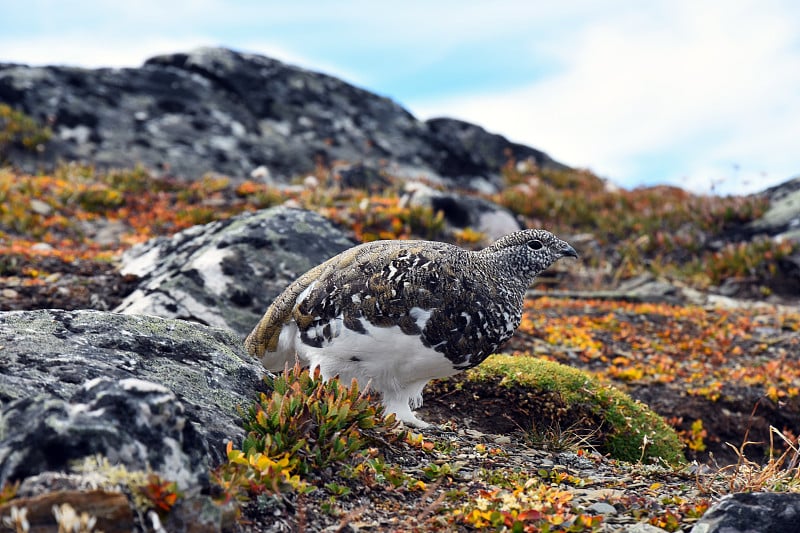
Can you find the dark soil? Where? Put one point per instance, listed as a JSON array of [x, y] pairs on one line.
[[489, 408], [73, 285], [739, 416]]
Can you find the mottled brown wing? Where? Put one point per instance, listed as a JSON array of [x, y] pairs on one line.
[[264, 337], [383, 286]]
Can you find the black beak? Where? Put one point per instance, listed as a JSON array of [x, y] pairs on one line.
[[569, 251]]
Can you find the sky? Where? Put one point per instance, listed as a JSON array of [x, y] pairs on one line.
[[702, 94]]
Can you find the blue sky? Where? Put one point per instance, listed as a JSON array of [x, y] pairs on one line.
[[701, 94]]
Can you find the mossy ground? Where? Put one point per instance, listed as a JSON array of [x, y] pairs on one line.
[[536, 396]]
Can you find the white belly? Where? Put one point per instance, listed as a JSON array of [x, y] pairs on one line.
[[384, 358]]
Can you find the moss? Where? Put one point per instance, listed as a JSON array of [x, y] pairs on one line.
[[632, 431]]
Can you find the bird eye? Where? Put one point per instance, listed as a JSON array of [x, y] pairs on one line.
[[535, 245]]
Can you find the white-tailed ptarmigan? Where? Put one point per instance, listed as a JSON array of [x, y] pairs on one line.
[[397, 314]]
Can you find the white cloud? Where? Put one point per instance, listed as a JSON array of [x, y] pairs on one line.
[[686, 79]]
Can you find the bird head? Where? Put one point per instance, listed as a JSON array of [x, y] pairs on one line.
[[529, 252]]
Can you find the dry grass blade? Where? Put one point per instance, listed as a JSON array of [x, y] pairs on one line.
[[554, 439], [781, 473]]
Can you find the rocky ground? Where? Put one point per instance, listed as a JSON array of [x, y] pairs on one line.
[[460, 464], [731, 411], [720, 370], [485, 449]]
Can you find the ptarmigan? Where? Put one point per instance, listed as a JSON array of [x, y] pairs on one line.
[[397, 314]]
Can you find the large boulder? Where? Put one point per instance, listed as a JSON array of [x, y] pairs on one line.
[[226, 273], [214, 109], [144, 392]]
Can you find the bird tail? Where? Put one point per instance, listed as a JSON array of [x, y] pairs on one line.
[[277, 355]]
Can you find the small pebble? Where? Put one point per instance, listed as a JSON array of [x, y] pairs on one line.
[[11, 294], [40, 207], [42, 247], [598, 494], [474, 433]]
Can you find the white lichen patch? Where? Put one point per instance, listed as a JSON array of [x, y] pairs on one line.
[[141, 385], [209, 265], [141, 265]]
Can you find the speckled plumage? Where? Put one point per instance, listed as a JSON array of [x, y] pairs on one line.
[[397, 314]]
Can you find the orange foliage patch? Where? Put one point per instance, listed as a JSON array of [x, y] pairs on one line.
[[660, 343]]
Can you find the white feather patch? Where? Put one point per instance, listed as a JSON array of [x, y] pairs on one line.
[[393, 363]]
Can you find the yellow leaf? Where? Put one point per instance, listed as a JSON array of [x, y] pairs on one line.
[[772, 393]]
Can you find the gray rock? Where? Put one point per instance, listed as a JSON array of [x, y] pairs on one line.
[[216, 110], [755, 512], [130, 421], [781, 222], [360, 176], [142, 391], [647, 287], [463, 211], [783, 216], [469, 151], [782, 190], [226, 273]]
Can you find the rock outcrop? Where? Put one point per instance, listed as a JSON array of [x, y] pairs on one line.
[[752, 512], [782, 219], [216, 110], [143, 392], [226, 273]]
